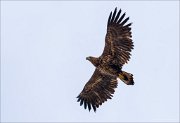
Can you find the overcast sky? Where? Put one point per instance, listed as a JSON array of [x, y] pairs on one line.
[[43, 68]]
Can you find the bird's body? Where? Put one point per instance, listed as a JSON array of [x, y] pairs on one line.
[[118, 45], [106, 65]]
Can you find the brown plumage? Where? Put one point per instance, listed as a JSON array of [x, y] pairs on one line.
[[118, 45]]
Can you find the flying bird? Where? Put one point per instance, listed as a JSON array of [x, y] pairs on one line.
[[118, 45]]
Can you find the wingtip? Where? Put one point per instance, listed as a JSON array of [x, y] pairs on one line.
[[115, 9], [121, 18], [109, 19]]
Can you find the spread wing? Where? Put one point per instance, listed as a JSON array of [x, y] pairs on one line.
[[97, 90], [118, 42]]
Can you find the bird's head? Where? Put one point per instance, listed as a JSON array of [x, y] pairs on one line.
[[93, 60], [89, 58]]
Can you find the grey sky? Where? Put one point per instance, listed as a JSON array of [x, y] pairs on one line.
[[43, 66]]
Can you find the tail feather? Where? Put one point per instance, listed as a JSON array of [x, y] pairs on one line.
[[127, 78]]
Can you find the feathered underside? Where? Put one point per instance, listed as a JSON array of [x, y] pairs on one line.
[[118, 42], [97, 90]]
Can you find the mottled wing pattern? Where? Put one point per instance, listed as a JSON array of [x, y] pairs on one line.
[[118, 42], [97, 90]]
